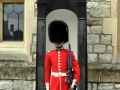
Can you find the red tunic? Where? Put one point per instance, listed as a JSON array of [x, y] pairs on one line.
[[57, 61]]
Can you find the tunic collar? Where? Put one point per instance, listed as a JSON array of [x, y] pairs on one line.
[[61, 48]]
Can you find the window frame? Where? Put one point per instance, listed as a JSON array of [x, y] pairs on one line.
[[10, 44]]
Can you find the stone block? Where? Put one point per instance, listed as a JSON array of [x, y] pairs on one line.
[[117, 86], [100, 12], [92, 58], [18, 84], [105, 86], [110, 75], [118, 66], [24, 85], [35, 10], [111, 29], [94, 86], [34, 39], [94, 21], [103, 75], [94, 75], [109, 49], [27, 85], [105, 58], [89, 86], [94, 66], [107, 66], [118, 59], [34, 56], [93, 39], [6, 49], [88, 10], [96, 29], [6, 85], [98, 74], [17, 64], [88, 30], [18, 73], [33, 47], [106, 39], [34, 85], [104, 4], [13, 57], [99, 48], [92, 4], [89, 48]]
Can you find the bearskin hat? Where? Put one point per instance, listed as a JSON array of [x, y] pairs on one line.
[[58, 31]]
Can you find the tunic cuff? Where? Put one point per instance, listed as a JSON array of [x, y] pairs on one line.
[[47, 86]]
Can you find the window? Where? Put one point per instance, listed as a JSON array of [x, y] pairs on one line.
[[13, 19]]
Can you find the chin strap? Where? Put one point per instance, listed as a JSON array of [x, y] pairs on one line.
[[59, 45]]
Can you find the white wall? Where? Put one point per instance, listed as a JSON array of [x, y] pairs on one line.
[[71, 19]]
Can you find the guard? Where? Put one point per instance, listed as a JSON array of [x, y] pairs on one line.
[[56, 60]]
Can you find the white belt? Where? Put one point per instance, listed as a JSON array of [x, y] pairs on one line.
[[58, 74]]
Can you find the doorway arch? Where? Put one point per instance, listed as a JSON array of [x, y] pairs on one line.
[[71, 19], [44, 8]]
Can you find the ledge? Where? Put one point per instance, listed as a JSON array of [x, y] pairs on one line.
[[17, 70], [103, 73], [13, 73], [13, 57], [27, 71], [17, 64]]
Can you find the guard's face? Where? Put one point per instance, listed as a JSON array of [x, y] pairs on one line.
[[58, 44]]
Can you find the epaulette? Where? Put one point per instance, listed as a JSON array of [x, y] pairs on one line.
[[50, 51]]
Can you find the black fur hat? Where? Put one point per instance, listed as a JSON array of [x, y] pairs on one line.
[[58, 31]]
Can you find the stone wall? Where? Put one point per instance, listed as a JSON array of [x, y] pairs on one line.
[[17, 75], [103, 62], [99, 45], [17, 70]]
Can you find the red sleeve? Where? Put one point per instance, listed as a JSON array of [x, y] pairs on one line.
[[47, 69], [76, 69]]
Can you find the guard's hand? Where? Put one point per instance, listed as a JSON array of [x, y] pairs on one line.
[[71, 89]]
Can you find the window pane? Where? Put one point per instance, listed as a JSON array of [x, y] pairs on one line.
[[8, 8], [18, 8], [13, 22]]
